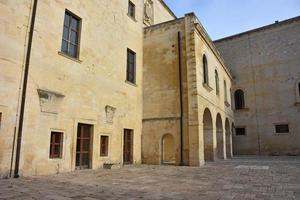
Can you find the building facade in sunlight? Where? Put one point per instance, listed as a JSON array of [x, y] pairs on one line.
[[100, 84], [265, 65]]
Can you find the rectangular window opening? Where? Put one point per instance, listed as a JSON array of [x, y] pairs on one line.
[[71, 33], [131, 9], [240, 131], [0, 119], [56, 144], [104, 146], [131, 68], [282, 128]]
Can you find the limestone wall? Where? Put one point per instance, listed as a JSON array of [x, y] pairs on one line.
[[14, 16], [265, 65], [161, 104]]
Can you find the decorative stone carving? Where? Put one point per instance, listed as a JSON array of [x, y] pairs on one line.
[[148, 12], [49, 101], [110, 112]]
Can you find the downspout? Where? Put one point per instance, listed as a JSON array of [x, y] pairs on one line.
[[180, 98], [23, 97]]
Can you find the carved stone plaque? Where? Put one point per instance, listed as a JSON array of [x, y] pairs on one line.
[[49, 101], [110, 112], [148, 12]]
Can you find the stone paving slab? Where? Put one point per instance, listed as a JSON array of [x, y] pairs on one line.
[[260, 178]]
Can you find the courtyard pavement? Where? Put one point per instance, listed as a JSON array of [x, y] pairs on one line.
[[241, 178]]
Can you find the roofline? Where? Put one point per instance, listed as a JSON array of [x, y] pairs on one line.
[[168, 8], [163, 23], [203, 33], [274, 25]]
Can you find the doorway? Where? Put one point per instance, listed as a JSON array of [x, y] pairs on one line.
[[128, 147], [83, 146]]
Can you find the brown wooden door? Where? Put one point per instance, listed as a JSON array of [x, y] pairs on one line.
[[83, 146], [128, 146]]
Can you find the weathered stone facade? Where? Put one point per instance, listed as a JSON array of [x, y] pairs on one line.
[[265, 64], [96, 110], [183, 123], [64, 92]]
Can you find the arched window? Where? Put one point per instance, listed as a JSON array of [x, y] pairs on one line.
[[239, 99], [217, 82], [205, 70]]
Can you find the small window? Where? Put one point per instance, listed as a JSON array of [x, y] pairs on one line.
[[282, 128], [70, 38], [104, 146], [205, 69], [130, 76], [299, 89], [131, 9], [240, 131], [56, 144], [239, 99], [217, 82]]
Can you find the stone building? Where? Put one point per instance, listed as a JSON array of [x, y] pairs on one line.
[[265, 65], [92, 84], [186, 109], [72, 87], [83, 105]]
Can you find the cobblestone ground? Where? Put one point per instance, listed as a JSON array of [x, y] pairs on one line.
[[241, 178]]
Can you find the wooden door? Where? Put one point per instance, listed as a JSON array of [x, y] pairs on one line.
[[128, 146], [83, 146]]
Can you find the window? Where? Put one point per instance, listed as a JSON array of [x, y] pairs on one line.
[[70, 39], [130, 76], [0, 119], [225, 91], [217, 82], [56, 144], [239, 99], [299, 88], [240, 131], [282, 128], [131, 9], [205, 69], [104, 145]]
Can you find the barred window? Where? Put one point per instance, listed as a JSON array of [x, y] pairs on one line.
[[56, 144], [104, 145]]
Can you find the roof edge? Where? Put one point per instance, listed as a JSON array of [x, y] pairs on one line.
[[274, 25], [168, 8]]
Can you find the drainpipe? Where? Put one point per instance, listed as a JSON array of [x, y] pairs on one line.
[[180, 99], [24, 86]]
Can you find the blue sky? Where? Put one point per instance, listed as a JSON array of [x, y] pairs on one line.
[[223, 18]]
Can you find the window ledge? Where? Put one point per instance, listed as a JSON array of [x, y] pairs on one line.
[[206, 86], [130, 83], [131, 17], [279, 134], [242, 110], [226, 103], [69, 57]]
